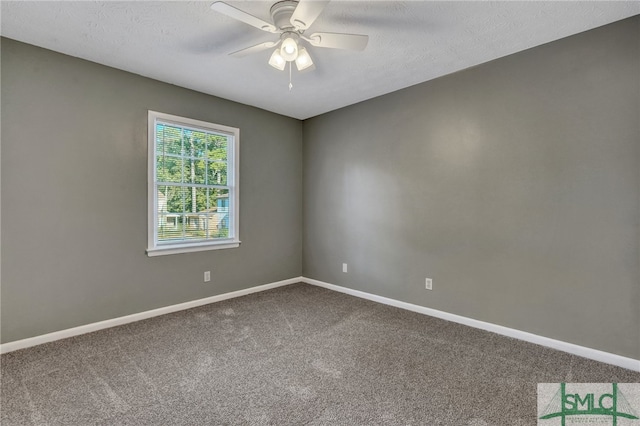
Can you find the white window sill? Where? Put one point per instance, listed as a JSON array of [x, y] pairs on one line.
[[190, 248]]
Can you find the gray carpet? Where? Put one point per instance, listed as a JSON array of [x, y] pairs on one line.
[[290, 356]]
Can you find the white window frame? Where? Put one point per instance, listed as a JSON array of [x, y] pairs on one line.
[[233, 169]]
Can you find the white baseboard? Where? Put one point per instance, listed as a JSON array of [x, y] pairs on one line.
[[88, 328], [597, 355]]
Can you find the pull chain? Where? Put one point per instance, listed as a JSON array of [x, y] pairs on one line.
[[290, 84]]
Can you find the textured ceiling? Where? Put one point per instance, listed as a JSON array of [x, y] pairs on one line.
[[186, 43]]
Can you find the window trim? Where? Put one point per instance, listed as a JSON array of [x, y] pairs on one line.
[[155, 249]]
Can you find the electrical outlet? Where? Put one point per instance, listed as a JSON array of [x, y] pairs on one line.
[[428, 283], [344, 268], [207, 276]]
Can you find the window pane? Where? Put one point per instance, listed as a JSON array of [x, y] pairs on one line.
[[218, 148], [187, 136], [169, 169], [219, 221], [198, 144], [188, 177], [190, 202], [170, 208], [219, 198], [194, 171], [216, 173], [168, 139], [203, 203], [169, 227], [199, 173], [195, 218], [195, 226], [175, 196], [218, 225]]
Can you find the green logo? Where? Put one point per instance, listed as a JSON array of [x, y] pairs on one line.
[[589, 401]]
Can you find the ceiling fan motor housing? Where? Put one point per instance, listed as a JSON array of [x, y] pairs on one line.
[[281, 14]]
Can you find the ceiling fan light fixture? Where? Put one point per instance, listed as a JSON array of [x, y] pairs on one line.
[[289, 49], [290, 19], [303, 61], [277, 61]]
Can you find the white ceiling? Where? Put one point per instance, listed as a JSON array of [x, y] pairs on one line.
[[186, 43]]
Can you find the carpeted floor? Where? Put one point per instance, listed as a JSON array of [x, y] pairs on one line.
[[294, 355]]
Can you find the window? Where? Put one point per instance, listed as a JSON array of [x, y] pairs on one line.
[[193, 185]]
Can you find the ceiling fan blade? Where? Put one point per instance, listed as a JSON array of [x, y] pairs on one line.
[[241, 16], [338, 40], [306, 13], [254, 49]]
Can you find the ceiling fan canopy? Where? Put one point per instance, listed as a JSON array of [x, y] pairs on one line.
[[290, 19]]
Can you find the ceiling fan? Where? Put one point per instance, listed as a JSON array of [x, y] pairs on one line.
[[291, 18]]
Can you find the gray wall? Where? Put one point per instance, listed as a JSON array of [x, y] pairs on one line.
[[74, 195], [514, 185]]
